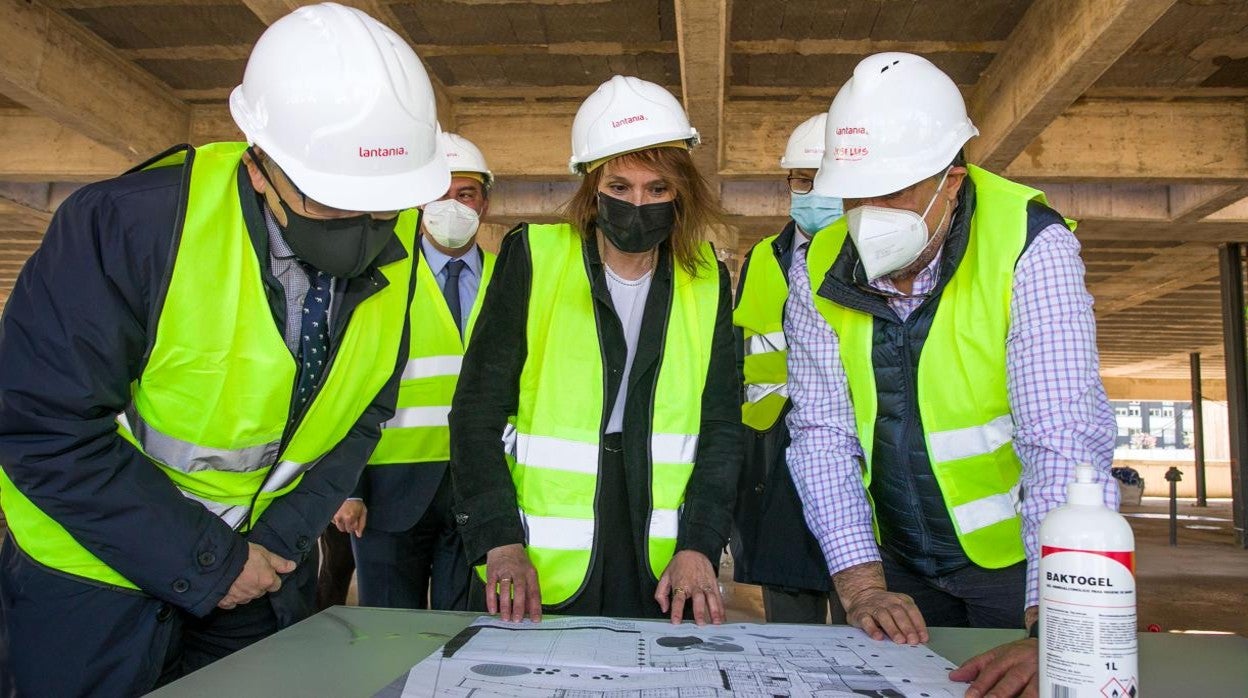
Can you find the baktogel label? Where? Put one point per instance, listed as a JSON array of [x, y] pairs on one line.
[[1088, 627]]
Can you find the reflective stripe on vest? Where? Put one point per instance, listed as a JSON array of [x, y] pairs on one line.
[[553, 441], [962, 393], [582, 457], [232, 514], [760, 315], [420, 430], [213, 402], [763, 343], [188, 457], [556, 533], [432, 367], [757, 392]]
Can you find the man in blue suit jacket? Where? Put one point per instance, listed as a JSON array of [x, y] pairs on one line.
[[408, 552]]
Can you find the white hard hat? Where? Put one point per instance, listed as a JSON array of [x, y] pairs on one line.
[[805, 148], [344, 107], [897, 121], [626, 114], [463, 156]]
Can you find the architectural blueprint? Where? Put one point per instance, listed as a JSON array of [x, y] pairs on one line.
[[605, 658]]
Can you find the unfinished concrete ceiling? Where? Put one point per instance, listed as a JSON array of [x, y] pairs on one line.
[[1132, 114]]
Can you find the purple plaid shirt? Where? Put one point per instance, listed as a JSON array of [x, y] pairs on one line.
[[1061, 414]]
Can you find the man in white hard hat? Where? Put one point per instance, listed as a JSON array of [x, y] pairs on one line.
[[942, 360], [407, 549], [196, 362], [771, 544]]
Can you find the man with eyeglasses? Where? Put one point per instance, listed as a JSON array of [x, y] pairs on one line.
[[771, 545], [943, 373], [195, 364]]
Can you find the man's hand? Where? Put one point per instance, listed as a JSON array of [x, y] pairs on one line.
[[351, 517], [690, 576], [511, 588], [1002, 672], [259, 577], [879, 612]]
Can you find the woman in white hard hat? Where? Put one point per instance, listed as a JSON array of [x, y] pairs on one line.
[[595, 439]]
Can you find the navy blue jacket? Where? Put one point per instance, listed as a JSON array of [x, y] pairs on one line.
[[77, 331], [771, 544]]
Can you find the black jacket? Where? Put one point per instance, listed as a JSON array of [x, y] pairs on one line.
[[77, 331], [488, 393], [771, 544]]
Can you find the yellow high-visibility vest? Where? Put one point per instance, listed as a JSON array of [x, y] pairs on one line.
[[419, 431], [760, 315], [214, 399], [963, 400], [552, 442]]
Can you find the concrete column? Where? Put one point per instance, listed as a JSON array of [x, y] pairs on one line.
[[1231, 267]]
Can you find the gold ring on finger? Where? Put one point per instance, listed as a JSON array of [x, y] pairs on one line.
[[679, 590], [505, 580]]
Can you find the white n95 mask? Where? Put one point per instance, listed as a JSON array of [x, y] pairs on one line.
[[450, 223], [889, 239]]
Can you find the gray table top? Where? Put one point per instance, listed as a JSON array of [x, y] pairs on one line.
[[348, 651]]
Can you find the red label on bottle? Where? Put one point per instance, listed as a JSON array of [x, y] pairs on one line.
[[1126, 558]]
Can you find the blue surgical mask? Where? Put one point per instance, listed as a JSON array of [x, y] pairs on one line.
[[814, 212]]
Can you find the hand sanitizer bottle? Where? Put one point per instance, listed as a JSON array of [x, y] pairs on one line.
[[1088, 644]]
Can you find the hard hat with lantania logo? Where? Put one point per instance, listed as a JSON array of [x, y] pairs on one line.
[[463, 156], [344, 107], [624, 115], [897, 121], [805, 147]]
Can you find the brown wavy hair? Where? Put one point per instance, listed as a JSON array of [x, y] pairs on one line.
[[696, 210]]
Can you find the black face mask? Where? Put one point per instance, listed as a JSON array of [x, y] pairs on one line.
[[634, 228], [341, 247]]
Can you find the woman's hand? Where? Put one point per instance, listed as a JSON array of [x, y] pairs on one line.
[[690, 576], [511, 588]]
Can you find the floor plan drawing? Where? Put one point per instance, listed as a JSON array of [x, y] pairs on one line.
[[604, 658]]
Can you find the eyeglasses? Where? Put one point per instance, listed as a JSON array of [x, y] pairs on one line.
[[311, 206], [801, 185]]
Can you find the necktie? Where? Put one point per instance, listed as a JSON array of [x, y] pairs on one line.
[[314, 334], [450, 291]]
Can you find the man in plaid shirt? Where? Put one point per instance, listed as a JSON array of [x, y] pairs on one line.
[[943, 372]]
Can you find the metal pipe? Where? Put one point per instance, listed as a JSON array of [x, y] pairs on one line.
[[1173, 475], [1198, 431]]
